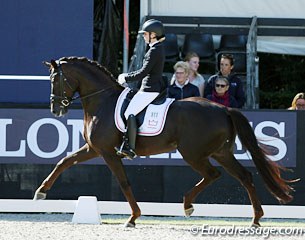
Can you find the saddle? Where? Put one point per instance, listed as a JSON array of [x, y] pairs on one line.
[[140, 116], [151, 119]]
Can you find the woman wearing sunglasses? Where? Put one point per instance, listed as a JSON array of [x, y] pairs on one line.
[[220, 93], [227, 70]]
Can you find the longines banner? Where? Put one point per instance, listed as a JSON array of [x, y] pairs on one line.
[[35, 136]]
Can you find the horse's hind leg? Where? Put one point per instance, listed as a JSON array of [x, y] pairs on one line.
[[209, 173], [234, 168], [83, 154]]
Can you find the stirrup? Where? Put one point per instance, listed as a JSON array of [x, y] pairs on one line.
[[129, 154], [125, 153], [119, 150]]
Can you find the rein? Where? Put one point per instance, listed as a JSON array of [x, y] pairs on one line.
[[89, 95], [66, 101]]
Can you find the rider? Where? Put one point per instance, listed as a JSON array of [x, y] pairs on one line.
[[151, 79]]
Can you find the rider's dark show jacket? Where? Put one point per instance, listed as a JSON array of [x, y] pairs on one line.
[[150, 75]]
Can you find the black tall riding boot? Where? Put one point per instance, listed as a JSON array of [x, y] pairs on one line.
[[129, 139]]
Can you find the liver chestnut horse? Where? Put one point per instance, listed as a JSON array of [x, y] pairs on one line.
[[199, 129]]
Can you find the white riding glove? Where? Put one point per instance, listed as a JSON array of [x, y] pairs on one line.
[[121, 78]]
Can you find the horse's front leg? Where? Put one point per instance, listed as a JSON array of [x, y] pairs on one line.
[[117, 168], [83, 154]]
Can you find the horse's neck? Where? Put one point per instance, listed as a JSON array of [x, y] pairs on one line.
[[90, 83], [102, 103], [97, 90], [92, 80]]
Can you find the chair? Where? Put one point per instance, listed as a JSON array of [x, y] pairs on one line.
[[202, 44], [232, 42], [171, 47]]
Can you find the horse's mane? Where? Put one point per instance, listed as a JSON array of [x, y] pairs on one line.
[[90, 62]]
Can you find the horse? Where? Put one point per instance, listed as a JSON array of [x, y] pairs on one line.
[[211, 127]]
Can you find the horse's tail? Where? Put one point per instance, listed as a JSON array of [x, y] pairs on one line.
[[268, 169]]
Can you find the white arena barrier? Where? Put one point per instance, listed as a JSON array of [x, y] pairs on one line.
[[151, 208]]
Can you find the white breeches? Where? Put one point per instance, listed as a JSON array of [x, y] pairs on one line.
[[139, 102]]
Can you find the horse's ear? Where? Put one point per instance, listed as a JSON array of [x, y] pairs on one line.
[[53, 64], [50, 64], [47, 64]]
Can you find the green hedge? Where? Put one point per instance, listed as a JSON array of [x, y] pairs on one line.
[[281, 78], [275, 100]]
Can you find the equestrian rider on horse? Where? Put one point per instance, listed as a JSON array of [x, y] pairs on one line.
[[152, 83]]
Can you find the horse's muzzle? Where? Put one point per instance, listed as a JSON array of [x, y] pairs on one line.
[[58, 110]]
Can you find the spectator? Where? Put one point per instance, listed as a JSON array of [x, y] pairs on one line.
[[182, 88], [298, 102], [226, 70], [195, 78], [220, 93]]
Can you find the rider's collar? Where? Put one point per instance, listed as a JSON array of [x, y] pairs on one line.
[[181, 86], [152, 44]]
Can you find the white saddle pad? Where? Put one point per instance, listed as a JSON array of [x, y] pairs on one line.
[[154, 119]]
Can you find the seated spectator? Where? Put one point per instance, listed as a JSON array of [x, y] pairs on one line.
[[226, 70], [220, 93], [182, 88], [298, 102], [195, 78]]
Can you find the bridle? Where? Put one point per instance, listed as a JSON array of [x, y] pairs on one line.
[[62, 98]]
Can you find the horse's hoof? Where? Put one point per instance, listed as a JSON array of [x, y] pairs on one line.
[[39, 196], [188, 212], [255, 225], [129, 225]]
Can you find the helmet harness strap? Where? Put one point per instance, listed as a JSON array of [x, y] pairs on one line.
[[150, 38]]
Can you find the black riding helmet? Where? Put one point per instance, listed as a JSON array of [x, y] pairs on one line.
[[155, 26]]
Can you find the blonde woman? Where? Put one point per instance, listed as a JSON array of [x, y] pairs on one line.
[[195, 78], [182, 88], [298, 102]]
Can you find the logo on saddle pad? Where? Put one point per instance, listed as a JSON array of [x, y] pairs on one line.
[[154, 118]]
